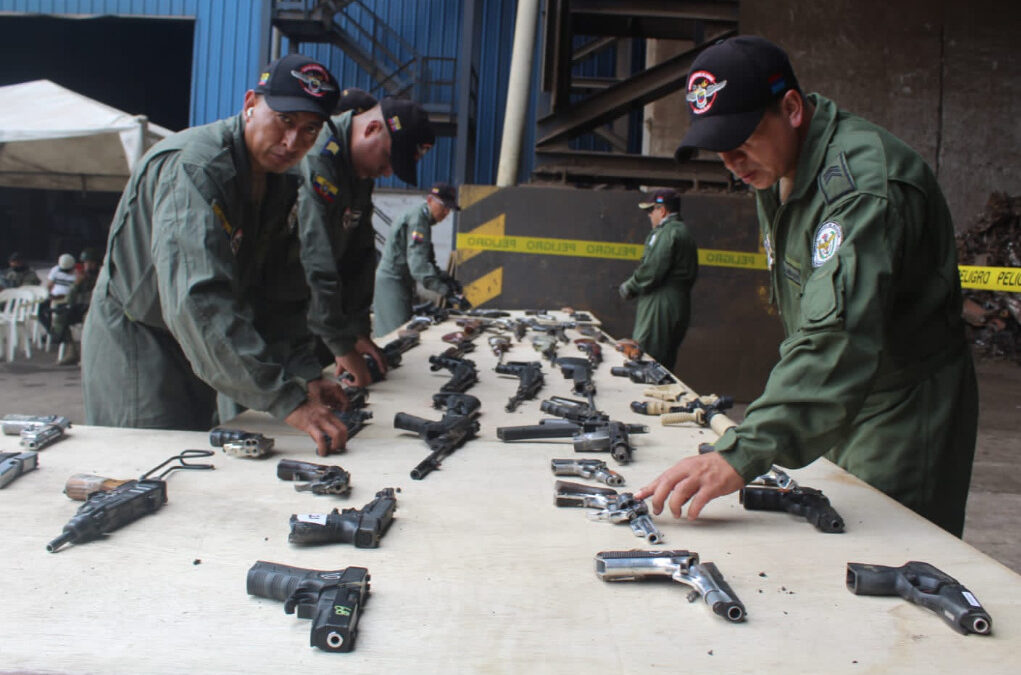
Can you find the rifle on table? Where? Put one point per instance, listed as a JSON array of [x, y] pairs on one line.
[[458, 425]]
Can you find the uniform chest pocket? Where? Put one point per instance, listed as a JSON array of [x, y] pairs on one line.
[[822, 304]]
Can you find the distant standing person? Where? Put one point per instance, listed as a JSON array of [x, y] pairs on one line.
[[408, 257], [203, 289], [662, 283]]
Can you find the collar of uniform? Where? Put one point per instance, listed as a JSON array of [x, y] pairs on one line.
[[428, 214], [820, 130]]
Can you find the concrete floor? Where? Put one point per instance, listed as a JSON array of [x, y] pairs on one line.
[[38, 386]]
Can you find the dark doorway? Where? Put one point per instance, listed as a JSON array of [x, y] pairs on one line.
[[139, 65]]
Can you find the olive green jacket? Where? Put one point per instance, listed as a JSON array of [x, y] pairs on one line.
[[409, 256], [874, 369], [338, 248], [189, 255], [662, 282]]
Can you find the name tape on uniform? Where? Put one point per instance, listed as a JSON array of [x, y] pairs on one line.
[[980, 278]]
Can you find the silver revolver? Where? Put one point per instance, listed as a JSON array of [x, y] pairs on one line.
[[613, 507], [683, 566], [587, 468]]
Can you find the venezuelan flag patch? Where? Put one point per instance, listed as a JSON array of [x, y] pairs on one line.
[[417, 237]]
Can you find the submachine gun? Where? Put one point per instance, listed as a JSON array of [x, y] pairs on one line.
[[106, 511], [458, 425], [531, 380]]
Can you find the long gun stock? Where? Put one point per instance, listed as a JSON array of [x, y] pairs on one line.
[[681, 566], [363, 527], [926, 586], [332, 599]]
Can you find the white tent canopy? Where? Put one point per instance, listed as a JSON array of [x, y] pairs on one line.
[[54, 138]]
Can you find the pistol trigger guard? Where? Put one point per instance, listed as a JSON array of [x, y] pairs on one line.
[[299, 597]]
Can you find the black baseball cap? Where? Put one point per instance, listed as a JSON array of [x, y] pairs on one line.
[[730, 85], [667, 198], [355, 99], [411, 135], [447, 194], [296, 83]]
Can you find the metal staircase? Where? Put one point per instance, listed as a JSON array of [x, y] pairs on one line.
[[577, 30], [395, 66]]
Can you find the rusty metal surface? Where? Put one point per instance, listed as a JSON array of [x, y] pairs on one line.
[[732, 341]]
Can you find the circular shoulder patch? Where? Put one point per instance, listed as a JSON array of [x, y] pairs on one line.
[[827, 241]]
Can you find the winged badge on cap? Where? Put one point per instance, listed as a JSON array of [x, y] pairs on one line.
[[313, 83], [704, 91]]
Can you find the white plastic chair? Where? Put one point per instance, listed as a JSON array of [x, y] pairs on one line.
[[40, 336], [17, 308]]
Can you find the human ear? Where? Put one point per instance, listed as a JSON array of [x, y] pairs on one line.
[[792, 106]]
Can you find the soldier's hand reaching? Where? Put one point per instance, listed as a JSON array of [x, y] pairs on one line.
[[353, 362], [327, 393], [319, 422], [700, 479]]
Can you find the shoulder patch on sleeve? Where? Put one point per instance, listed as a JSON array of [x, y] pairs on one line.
[[331, 148], [835, 180], [324, 188], [417, 237]]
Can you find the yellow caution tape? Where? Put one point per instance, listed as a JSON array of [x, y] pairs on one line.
[[491, 239], [991, 278]]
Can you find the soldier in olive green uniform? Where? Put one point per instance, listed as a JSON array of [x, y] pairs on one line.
[[335, 220], [663, 280], [874, 373], [203, 289], [409, 257]]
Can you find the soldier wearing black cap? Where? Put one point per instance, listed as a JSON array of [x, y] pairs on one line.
[[409, 257], [874, 373], [203, 291], [335, 218], [662, 283], [18, 273]]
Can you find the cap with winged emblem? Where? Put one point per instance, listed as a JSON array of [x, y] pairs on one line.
[[296, 83], [730, 85]]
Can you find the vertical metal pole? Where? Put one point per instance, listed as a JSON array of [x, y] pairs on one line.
[[517, 92]]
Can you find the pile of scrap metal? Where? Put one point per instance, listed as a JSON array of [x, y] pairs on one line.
[[994, 240]]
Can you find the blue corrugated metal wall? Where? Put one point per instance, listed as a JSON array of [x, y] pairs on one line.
[[231, 43], [228, 44]]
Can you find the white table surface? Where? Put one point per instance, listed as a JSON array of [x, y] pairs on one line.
[[480, 572]]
